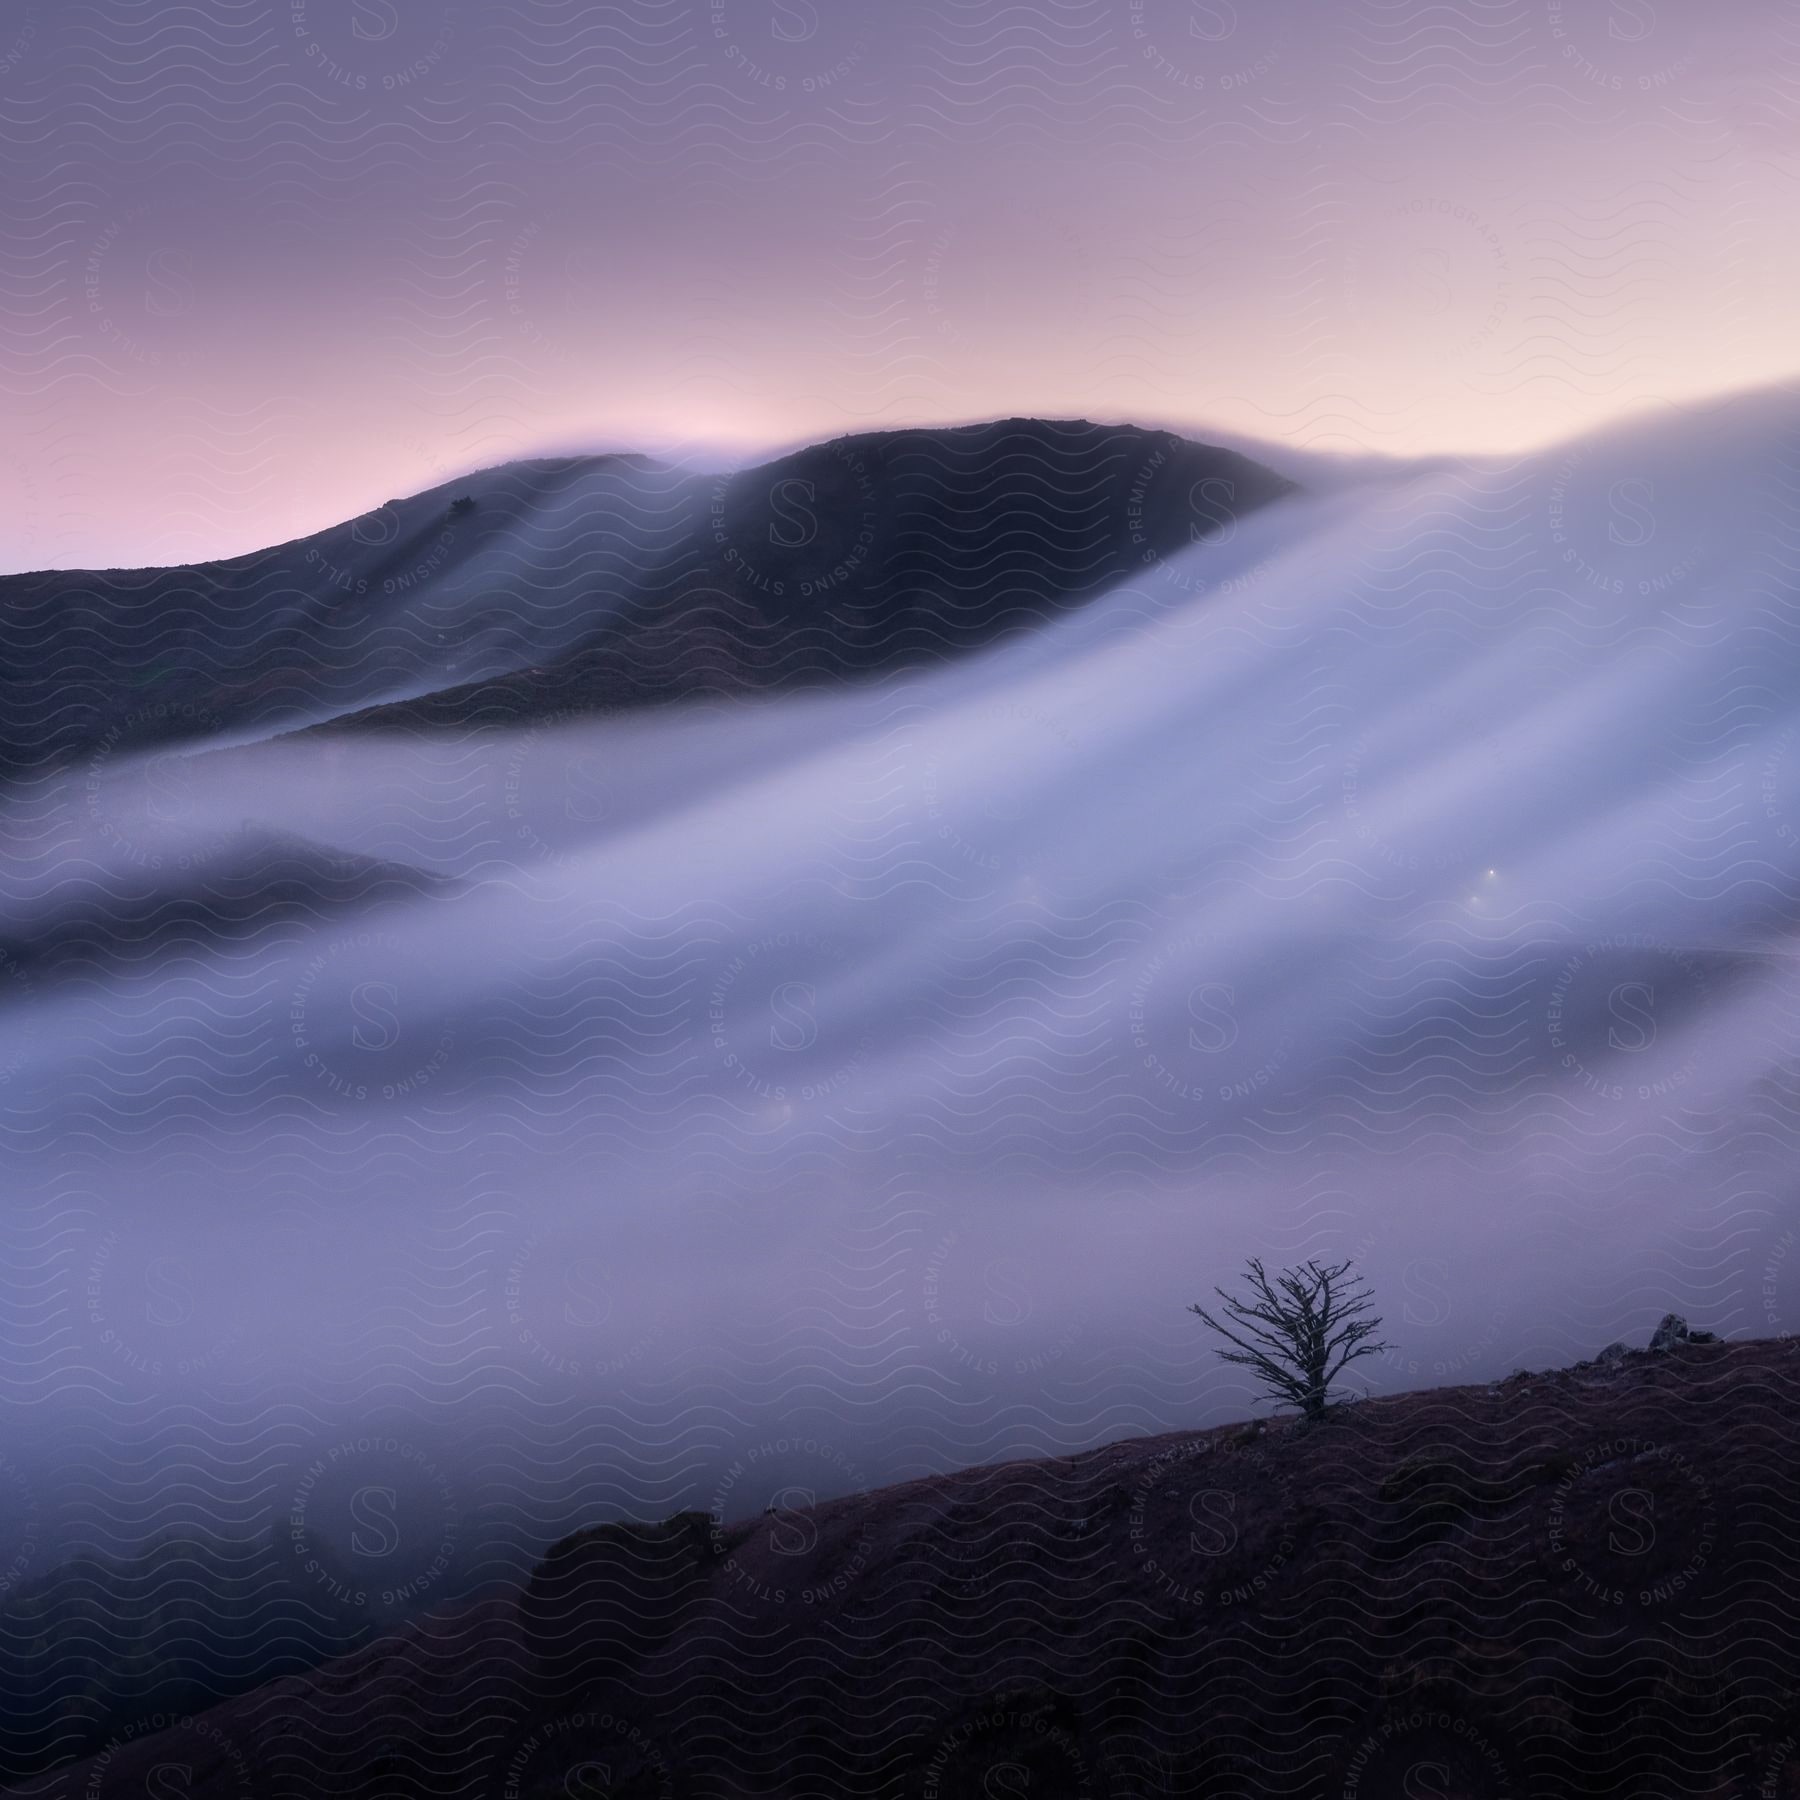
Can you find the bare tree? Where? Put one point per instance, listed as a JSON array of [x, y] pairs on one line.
[[1298, 1332]]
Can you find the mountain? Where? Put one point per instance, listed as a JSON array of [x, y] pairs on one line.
[[1407, 871], [612, 580], [1572, 1582]]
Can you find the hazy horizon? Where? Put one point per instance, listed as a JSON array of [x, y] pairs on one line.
[[271, 265], [1311, 467]]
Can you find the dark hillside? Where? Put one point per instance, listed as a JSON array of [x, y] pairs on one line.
[[591, 581], [876, 553], [1579, 1582]]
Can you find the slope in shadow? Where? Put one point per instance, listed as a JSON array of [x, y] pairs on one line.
[[876, 553], [1578, 1582], [93, 662], [611, 580]]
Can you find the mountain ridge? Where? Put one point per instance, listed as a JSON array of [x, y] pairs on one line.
[[865, 552]]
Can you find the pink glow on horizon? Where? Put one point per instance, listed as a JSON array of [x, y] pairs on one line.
[[251, 301]]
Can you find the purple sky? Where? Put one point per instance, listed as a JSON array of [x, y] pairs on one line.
[[267, 262]]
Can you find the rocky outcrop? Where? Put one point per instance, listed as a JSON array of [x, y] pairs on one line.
[[1674, 1331]]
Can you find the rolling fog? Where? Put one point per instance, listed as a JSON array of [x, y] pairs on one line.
[[699, 1107]]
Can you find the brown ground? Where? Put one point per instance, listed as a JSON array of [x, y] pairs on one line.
[[1581, 1582]]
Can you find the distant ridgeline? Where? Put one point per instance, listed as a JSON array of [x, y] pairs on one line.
[[606, 581]]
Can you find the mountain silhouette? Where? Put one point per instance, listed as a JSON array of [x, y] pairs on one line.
[[612, 580]]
